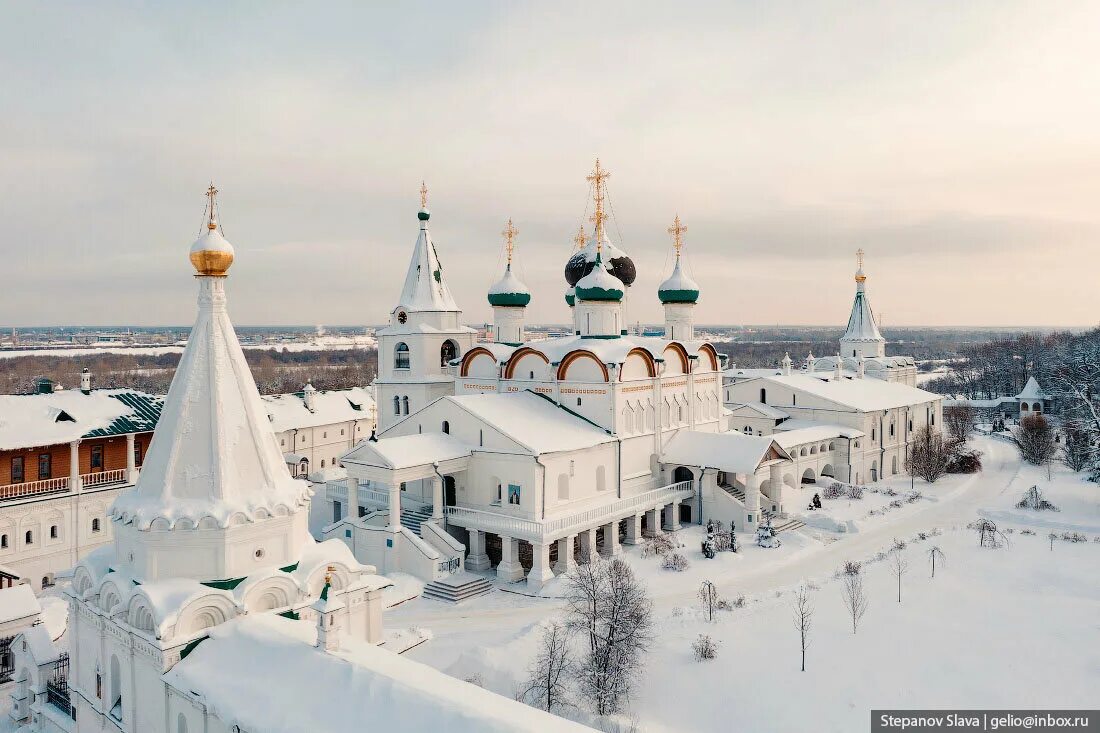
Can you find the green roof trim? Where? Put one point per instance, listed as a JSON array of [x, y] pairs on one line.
[[571, 299], [143, 418], [324, 591], [571, 412], [599, 294], [678, 296], [290, 568], [191, 646], [509, 300], [292, 615], [603, 336], [227, 584]]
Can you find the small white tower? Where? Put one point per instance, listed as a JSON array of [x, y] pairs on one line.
[[837, 373], [309, 396], [862, 337], [786, 364], [509, 298], [85, 380], [811, 362], [679, 293], [329, 609]]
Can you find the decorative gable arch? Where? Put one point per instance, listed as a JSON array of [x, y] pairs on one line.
[[574, 356], [473, 354], [517, 356]]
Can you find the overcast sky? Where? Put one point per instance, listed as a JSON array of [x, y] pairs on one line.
[[957, 143]]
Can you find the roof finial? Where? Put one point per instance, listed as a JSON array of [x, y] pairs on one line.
[[423, 195], [212, 221], [598, 177], [580, 239], [509, 234], [860, 277], [677, 231]]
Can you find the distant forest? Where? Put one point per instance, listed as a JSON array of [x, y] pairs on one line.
[[275, 371]]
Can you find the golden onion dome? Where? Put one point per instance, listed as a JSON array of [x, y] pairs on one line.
[[211, 254], [860, 277]]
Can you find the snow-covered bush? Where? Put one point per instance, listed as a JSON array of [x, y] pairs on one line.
[[675, 561], [1033, 499], [854, 491], [852, 567], [899, 544], [475, 679], [914, 497], [1074, 537], [659, 544], [832, 491], [1027, 531], [704, 648]]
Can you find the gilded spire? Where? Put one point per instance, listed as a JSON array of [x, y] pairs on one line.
[[677, 231], [598, 179], [423, 195], [211, 195], [509, 235], [580, 239]]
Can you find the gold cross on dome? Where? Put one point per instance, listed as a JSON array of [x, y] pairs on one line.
[[580, 239], [423, 195], [859, 257], [598, 178], [509, 234], [211, 194], [677, 231]]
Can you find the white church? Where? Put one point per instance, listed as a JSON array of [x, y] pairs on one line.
[[527, 455], [214, 610]]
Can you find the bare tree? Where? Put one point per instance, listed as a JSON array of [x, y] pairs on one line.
[[803, 620], [704, 648], [1077, 450], [855, 599], [930, 454], [960, 421], [898, 566], [708, 595], [988, 534], [1035, 439], [552, 669], [1052, 537], [933, 552], [608, 603]]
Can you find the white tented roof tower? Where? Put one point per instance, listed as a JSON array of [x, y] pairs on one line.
[[214, 499], [424, 336], [862, 337]]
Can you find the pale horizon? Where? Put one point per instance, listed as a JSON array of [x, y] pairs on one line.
[[955, 144]]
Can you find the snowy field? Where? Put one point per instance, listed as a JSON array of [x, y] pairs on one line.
[[1010, 627], [322, 343]]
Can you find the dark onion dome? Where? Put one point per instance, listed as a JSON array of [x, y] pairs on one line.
[[571, 297], [678, 288], [599, 284], [509, 291], [423, 214], [582, 262]]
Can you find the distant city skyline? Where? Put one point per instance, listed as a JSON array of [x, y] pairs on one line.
[[954, 143]]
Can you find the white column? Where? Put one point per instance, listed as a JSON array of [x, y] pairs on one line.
[[351, 511], [611, 539], [540, 567], [672, 516], [477, 559], [651, 523], [588, 545], [395, 506], [74, 466], [131, 460], [437, 498], [633, 530], [752, 500], [566, 561], [775, 479], [509, 570]]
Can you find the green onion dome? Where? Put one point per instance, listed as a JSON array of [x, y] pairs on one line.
[[509, 291], [571, 297], [599, 284], [678, 288], [423, 214]]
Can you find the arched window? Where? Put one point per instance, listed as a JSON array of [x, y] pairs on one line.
[[401, 356], [322, 463], [29, 538], [891, 430], [181, 724], [446, 427], [747, 430], [95, 525], [763, 396], [3, 541], [447, 352], [116, 689], [405, 404], [396, 405], [53, 531]]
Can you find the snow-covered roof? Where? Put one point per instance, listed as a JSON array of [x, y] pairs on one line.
[[861, 322], [797, 432], [599, 284], [733, 452], [860, 394], [39, 644], [740, 375], [288, 411], [249, 662], [407, 451], [66, 415], [509, 291], [1032, 391], [18, 603], [533, 421], [214, 453], [425, 287], [759, 408]]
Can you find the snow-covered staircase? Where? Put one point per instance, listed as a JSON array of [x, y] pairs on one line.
[[457, 588], [735, 492], [789, 524], [413, 518]]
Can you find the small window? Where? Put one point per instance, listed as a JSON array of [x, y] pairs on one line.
[[53, 532], [44, 466], [97, 457], [446, 427], [95, 525], [532, 375], [3, 541], [324, 434], [341, 431], [396, 405], [891, 430], [405, 404], [322, 463], [578, 402], [137, 453], [17, 475], [282, 442], [29, 538], [763, 396]]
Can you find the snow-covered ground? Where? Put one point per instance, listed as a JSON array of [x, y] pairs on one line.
[[319, 343], [1011, 627]]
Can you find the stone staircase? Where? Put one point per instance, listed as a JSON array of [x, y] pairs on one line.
[[788, 525], [735, 492], [457, 588], [411, 519]]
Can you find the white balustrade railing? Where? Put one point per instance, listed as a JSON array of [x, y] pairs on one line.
[[32, 488], [103, 478], [338, 489], [546, 530]]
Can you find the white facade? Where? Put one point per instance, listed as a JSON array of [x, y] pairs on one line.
[[314, 428]]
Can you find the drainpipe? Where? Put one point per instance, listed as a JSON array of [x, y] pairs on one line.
[[538, 462], [443, 493], [699, 494]]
